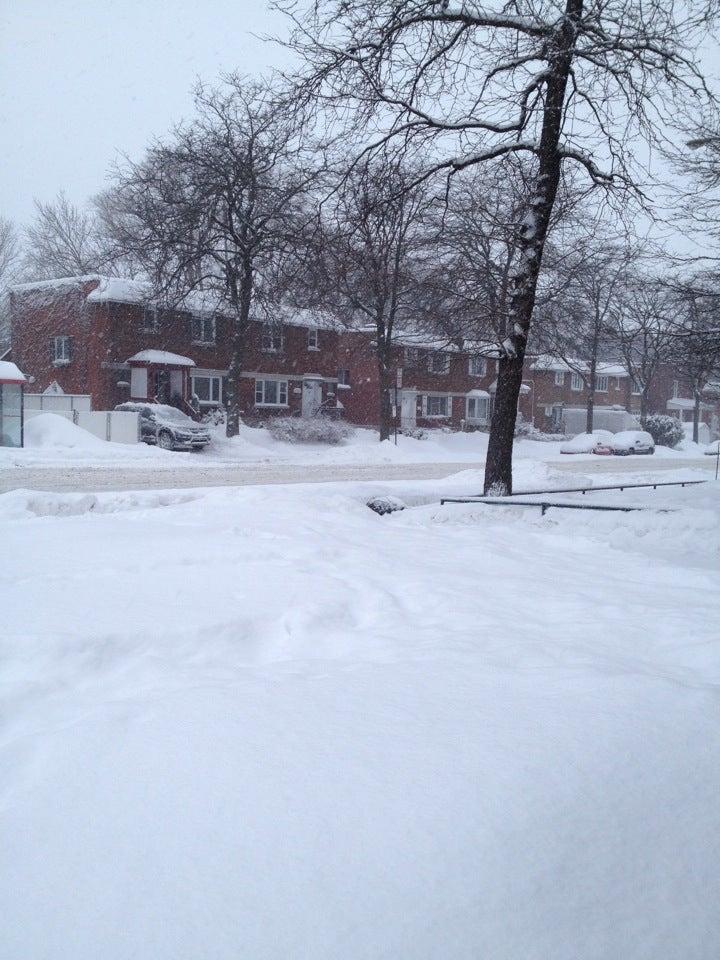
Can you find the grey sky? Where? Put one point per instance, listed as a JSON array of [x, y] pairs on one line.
[[81, 80]]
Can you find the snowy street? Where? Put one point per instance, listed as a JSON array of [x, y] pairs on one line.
[[442, 727]]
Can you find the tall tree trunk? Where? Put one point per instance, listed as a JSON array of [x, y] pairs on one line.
[[385, 397], [696, 416], [532, 233], [590, 408], [590, 411], [241, 323], [643, 406]]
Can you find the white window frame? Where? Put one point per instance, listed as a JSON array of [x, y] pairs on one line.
[[62, 350], [477, 366], [675, 389], [219, 391], [437, 416], [635, 387], [313, 338], [261, 384], [559, 378], [599, 380], [475, 401], [343, 380], [204, 323], [576, 382], [273, 337], [435, 355]]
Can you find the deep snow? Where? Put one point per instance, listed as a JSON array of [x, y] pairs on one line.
[[53, 441], [268, 723]]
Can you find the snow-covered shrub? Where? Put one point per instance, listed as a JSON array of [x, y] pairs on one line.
[[308, 430], [214, 417], [665, 431], [527, 431], [415, 433], [386, 504]]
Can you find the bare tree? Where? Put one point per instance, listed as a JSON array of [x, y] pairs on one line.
[[218, 209], [696, 340], [9, 252], [464, 83], [373, 237], [642, 330], [62, 241], [577, 328]]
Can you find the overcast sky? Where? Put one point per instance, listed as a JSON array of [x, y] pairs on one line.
[[81, 80]]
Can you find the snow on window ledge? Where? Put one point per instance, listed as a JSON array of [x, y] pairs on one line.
[[61, 363], [276, 405]]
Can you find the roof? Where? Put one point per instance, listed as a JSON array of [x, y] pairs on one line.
[[477, 393], [603, 368], [128, 290], [161, 357], [685, 403], [10, 373]]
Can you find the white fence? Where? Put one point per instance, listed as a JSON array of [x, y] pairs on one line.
[[57, 402], [604, 418], [119, 426]]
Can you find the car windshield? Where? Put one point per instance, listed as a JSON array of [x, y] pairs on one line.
[[172, 414]]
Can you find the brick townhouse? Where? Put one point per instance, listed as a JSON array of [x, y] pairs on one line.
[[103, 337]]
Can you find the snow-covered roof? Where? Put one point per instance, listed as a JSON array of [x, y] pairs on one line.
[[478, 393], [685, 403], [161, 357], [524, 388], [603, 368], [10, 373]]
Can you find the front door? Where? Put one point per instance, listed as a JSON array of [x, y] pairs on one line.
[[312, 397], [408, 409]]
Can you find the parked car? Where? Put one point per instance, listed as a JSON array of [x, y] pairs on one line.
[[711, 450], [627, 442], [586, 442], [168, 427]]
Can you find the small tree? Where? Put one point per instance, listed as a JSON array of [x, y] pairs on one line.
[[665, 431], [371, 254]]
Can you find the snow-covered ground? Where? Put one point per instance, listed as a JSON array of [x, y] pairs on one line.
[[52, 441], [265, 722]]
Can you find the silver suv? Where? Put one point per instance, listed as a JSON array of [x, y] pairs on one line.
[[168, 427]]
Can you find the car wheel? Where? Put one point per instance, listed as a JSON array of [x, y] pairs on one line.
[[165, 440]]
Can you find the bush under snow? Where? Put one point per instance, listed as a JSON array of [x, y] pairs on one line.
[[665, 431], [308, 430]]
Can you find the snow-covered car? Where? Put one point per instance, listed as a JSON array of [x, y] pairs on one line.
[[627, 442], [167, 426], [586, 442], [711, 450]]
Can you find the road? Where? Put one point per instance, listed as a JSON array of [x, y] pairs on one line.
[[70, 478]]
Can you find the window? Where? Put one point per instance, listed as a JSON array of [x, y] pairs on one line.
[[203, 329], [413, 357], [635, 387], [559, 378], [61, 350], [271, 393], [601, 384], [576, 382], [313, 338], [439, 362], [476, 366], [478, 409], [437, 406], [675, 389], [151, 320], [343, 378], [207, 388], [272, 337]]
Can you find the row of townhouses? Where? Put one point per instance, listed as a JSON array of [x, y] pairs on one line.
[[103, 337]]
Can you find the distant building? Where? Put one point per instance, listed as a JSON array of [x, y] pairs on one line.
[[105, 337]]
